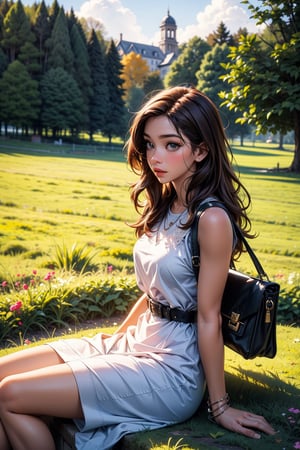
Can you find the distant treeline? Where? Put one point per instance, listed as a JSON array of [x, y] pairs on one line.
[[58, 76]]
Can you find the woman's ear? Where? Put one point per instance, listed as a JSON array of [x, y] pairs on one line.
[[201, 152]]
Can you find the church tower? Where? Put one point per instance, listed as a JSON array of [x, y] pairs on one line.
[[168, 42]]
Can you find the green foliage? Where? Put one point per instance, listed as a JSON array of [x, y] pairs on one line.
[[20, 98], [289, 304], [99, 100], [62, 101], [44, 38], [77, 259], [61, 55], [263, 72], [82, 72], [211, 71], [32, 303], [16, 30], [115, 124], [183, 70]]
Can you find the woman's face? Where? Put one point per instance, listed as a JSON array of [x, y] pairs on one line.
[[169, 154]]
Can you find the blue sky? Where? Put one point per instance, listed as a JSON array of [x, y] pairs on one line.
[[139, 20]]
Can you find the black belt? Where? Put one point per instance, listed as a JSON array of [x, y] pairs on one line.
[[165, 312]]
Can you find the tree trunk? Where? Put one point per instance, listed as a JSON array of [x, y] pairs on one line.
[[295, 167], [280, 141]]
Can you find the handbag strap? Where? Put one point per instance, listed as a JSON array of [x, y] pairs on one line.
[[194, 238]]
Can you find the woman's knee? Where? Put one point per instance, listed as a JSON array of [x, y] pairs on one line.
[[9, 394]]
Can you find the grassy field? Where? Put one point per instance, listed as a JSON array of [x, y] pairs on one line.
[[51, 197]]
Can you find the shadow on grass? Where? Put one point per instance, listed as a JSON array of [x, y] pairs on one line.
[[264, 394]]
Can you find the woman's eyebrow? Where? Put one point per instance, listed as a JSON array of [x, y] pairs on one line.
[[165, 136]]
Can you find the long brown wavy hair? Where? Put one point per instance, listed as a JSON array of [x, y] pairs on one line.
[[196, 117]]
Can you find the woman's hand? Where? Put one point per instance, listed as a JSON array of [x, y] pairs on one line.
[[244, 422]]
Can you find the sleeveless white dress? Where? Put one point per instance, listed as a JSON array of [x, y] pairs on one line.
[[150, 376]]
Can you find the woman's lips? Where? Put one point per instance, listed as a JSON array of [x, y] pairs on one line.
[[159, 172]]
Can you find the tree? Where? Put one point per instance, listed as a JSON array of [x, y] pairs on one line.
[[153, 82], [221, 36], [208, 76], [210, 83], [20, 97], [61, 101], [29, 56], [3, 61], [82, 71], [135, 71], [183, 70], [263, 73], [134, 100], [99, 100], [115, 121], [16, 31], [42, 31], [61, 54]]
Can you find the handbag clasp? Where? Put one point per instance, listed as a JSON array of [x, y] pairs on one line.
[[234, 321]]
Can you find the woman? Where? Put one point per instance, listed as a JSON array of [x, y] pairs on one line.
[[153, 371]]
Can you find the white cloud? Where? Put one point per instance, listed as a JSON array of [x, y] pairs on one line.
[[115, 18], [228, 11]]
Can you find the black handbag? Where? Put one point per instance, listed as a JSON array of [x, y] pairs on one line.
[[249, 304]]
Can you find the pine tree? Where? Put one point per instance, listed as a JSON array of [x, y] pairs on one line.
[[61, 54], [62, 102], [20, 97], [115, 123], [82, 71], [16, 31], [221, 36], [99, 100], [42, 31]]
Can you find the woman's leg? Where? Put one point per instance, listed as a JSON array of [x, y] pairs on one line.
[[28, 359], [47, 391], [4, 443]]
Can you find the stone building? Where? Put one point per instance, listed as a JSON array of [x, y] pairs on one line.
[[158, 57]]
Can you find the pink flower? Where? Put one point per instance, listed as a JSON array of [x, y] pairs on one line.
[[25, 287], [110, 268], [20, 323], [294, 410], [17, 284], [49, 276], [297, 444], [16, 306], [27, 342], [34, 272], [4, 283]]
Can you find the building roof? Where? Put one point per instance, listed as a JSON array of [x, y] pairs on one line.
[[169, 58], [146, 51], [168, 20]]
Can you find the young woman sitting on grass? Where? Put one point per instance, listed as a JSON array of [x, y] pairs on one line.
[[154, 370]]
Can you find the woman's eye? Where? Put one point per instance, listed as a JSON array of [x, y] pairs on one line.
[[172, 146], [149, 145]]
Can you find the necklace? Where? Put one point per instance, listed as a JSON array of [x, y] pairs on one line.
[[172, 222]]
